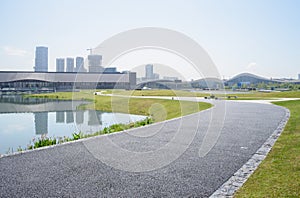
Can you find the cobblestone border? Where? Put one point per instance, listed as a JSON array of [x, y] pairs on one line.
[[240, 177]]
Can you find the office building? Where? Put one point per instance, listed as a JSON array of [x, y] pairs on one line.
[[70, 65], [53, 81], [155, 76], [298, 76], [41, 59], [79, 65], [95, 63], [110, 70], [60, 65], [149, 71]]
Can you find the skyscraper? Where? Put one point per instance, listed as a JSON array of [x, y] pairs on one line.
[[60, 65], [149, 71], [95, 62], [298, 76], [41, 59], [70, 65], [79, 64]]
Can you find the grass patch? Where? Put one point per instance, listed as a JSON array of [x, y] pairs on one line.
[[88, 94], [279, 174], [254, 95], [252, 98], [82, 95], [158, 109], [160, 92], [262, 95]]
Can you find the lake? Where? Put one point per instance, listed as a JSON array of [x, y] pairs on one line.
[[22, 119]]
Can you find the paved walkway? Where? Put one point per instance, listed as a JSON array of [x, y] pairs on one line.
[[174, 158]]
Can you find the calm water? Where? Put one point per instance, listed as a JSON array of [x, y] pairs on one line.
[[21, 120]]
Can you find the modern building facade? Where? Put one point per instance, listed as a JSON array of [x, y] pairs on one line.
[[60, 65], [149, 71], [79, 65], [95, 63], [110, 70], [41, 59], [11, 81], [70, 65], [247, 78]]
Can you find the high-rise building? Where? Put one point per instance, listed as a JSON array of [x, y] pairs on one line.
[[95, 62], [79, 64], [155, 76], [60, 65], [70, 65], [149, 71], [41, 59], [298, 76]]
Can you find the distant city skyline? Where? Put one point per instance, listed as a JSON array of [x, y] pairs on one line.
[[260, 37]]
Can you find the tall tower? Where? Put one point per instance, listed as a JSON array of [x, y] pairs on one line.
[[79, 64], [70, 65], [298, 76], [149, 72], [95, 62], [60, 65], [41, 59]]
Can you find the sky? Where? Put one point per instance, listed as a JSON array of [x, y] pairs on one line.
[[257, 36]]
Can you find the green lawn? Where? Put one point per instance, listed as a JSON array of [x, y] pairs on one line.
[[279, 174], [261, 95], [159, 92], [159, 109], [255, 95]]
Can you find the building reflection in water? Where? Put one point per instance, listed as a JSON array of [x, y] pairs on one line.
[[79, 117], [41, 119], [94, 118], [60, 117], [70, 117], [41, 123]]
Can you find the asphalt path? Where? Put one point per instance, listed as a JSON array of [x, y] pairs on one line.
[[190, 156]]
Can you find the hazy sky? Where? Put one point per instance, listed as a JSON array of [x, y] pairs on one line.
[[258, 36]]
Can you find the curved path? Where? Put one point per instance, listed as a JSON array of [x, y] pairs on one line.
[[74, 169]]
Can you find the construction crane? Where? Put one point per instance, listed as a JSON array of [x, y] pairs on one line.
[[91, 50]]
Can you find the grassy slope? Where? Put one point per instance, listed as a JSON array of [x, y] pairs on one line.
[[159, 109], [160, 92], [279, 174], [246, 96], [288, 94]]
